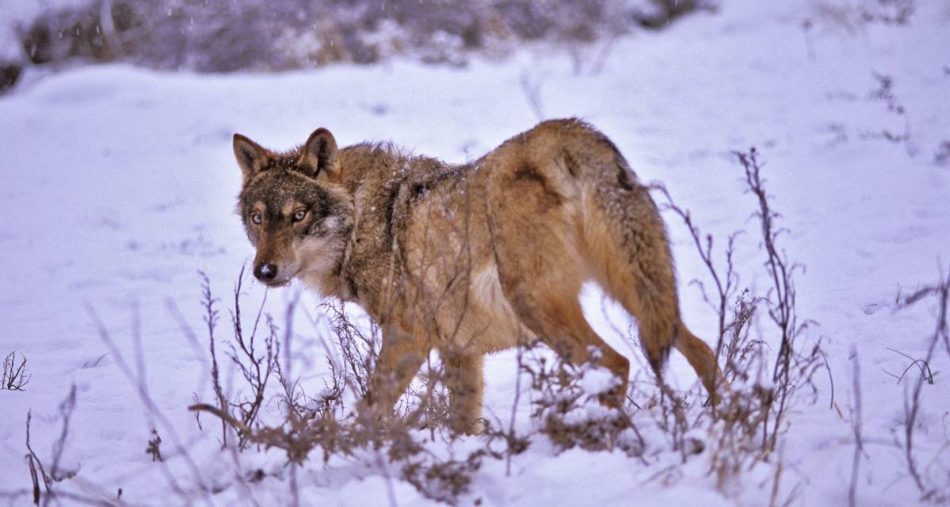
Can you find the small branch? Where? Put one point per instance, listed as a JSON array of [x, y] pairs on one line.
[[856, 423], [15, 376], [34, 463], [912, 405]]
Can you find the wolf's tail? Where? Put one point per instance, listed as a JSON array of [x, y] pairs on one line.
[[629, 252]]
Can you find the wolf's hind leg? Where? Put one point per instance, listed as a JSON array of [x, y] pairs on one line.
[[543, 292], [464, 378], [558, 320], [540, 268]]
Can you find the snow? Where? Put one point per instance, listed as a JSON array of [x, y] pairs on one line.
[[597, 380], [118, 186]]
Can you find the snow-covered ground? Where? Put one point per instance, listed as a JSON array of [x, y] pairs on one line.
[[117, 185]]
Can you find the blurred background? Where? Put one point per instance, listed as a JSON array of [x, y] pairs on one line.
[[273, 35]]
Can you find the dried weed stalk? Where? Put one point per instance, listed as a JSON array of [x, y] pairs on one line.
[[327, 422], [857, 418], [40, 475], [255, 366], [794, 366], [926, 479], [745, 427], [15, 375]]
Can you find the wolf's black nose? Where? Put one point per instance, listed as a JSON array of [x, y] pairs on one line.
[[265, 272]]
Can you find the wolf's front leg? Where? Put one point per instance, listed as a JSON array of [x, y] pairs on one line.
[[399, 360]]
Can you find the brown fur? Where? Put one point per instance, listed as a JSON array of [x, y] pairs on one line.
[[471, 259]]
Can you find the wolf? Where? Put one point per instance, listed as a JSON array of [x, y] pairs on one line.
[[473, 258]]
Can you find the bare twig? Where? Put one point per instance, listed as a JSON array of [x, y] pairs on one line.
[[924, 366], [912, 404], [211, 318], [791, 367], [34, 463], [15, 376], [856, 422]]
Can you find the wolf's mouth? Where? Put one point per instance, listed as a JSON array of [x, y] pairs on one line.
[[278, 283]]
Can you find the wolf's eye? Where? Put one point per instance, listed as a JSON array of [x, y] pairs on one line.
[[298, 216], [256, 218]]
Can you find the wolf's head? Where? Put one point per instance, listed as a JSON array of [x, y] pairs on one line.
[[294, 209]]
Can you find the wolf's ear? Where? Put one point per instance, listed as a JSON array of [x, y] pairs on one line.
[[250, 156], [319, 155]]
